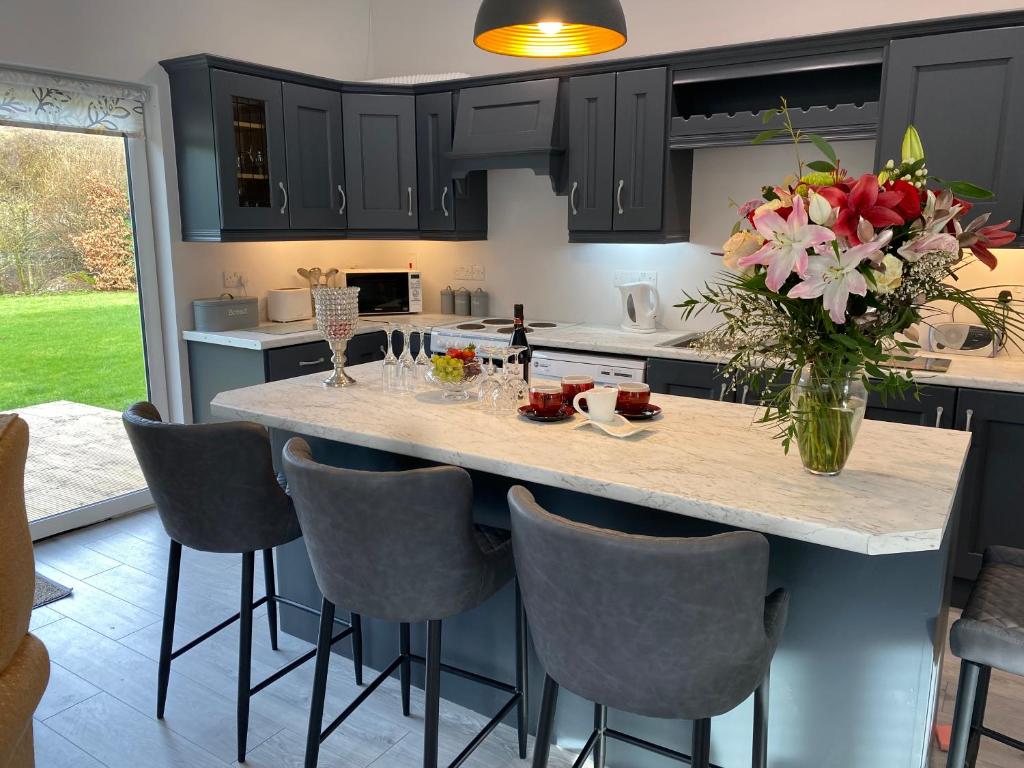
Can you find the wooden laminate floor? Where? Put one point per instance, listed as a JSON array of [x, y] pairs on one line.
[[103, 641]]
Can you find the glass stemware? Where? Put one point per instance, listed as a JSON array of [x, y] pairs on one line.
[[389, 373], [492, 382], [422, 359], [517, 388], [406, 362]]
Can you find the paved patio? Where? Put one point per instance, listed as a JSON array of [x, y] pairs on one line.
[[77, 455]]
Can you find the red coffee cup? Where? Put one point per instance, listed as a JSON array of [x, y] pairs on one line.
[[573, 385], [546, 399], [634, 397]]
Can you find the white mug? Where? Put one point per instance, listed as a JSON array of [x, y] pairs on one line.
[[600, 403]]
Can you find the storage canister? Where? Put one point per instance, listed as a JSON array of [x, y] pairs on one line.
[[462, 302], [479, 303], [226, 313], [447, 301]]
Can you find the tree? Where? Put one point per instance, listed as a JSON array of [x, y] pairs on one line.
[[106, 244]]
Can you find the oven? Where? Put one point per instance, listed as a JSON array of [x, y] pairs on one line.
[[386, 291]]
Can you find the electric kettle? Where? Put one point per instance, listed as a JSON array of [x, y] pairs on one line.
[[639, 307]]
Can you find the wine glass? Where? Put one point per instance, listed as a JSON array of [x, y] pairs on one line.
[[492, 382], [516, 385], [406, 363], [389, 373], [422, 359]]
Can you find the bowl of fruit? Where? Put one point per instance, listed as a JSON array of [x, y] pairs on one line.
[[455, 372]]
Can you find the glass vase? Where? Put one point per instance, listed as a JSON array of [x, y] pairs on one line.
[[827, 411]]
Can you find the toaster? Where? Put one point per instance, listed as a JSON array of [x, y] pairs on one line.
[[285, 305], [963, 339]]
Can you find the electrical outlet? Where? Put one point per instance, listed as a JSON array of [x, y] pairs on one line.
[[623, 276], [648, 277], [476, 272], [235, 279], [462, 272]]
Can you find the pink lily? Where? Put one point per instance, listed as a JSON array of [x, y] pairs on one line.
[[834, 277], [786, 243]]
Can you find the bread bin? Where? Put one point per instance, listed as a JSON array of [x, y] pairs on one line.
[[226, 313], [285, 305]]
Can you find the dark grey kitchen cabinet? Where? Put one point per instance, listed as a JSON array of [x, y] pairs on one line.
[[686, 378], [934, 407], [965, 94], [315, 151], [380, 160], [445, 204], [592, 151], [248, 125], [640, 146], [993, 484], [299, 360]]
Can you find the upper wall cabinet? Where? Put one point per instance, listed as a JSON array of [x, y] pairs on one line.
[[249, 128], [380, 161], [965, 93], [624, 184], [445, 205], [316, 158]]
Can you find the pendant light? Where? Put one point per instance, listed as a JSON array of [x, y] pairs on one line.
[[550, 28]]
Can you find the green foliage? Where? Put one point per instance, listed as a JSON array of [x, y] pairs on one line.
[[84, 347]]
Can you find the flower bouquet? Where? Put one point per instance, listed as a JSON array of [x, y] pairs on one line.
[[829, 274]]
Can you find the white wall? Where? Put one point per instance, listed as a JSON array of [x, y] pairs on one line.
[[124, 40]]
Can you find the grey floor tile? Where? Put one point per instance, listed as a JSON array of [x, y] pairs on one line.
[[43, 616], [121, 737], [65, 689], [72, 558], [55, 751]]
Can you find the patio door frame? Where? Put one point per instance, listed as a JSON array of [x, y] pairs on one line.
[[137, 161]]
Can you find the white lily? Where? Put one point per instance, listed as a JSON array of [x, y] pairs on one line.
[[834, 277], [786, 243]]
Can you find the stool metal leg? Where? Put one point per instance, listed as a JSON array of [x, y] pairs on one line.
[[760, 747], [542, 744], [268, 578], [316, 704], [966, 697], [978, 717], [245, 651], [522, 674], [167, 634], [701, 743], [357, 645], [601, 743], [406, 667], [432, 704]]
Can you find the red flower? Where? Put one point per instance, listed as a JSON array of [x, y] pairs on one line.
[[992, 236], [864, 200], [909, 207]]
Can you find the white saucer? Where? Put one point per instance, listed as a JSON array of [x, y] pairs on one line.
[[619, 427]]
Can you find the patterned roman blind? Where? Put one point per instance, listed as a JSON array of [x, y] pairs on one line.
[[37, 99]]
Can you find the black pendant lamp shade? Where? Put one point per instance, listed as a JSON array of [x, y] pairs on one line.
[[550, 28]]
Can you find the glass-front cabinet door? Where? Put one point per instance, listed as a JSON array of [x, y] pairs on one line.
[[249, 127]]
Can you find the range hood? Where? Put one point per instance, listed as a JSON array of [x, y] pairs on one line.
[[513, 125]]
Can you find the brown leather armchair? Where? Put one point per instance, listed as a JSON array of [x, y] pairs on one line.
[[24, 663]]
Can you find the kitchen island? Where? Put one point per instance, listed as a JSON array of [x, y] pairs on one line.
[[865, 556]]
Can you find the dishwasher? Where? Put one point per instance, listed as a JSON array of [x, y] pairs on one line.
[[552, 364]]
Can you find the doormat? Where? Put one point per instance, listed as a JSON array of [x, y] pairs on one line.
[[48, 591]]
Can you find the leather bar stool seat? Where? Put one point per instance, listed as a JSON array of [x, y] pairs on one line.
[[215, 490], [402, 547], [676, 628], [989, 634]]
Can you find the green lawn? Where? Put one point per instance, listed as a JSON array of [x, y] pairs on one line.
[[85, 347]]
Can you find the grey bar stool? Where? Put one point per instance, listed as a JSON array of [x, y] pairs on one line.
[[402, 547], [989, 633], [671, 628], [216, 491]]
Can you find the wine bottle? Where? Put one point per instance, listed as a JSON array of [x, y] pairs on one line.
[[519, 339]]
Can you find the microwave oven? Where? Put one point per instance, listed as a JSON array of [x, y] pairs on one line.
[[386, 291]]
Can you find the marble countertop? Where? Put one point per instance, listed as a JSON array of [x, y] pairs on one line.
[[703, 459], [253, 338]]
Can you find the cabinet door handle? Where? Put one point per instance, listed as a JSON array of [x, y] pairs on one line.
[[284, 190], [721, 395], [572, 198], [444, 208], [409, 191], [618, 195], [344, 200], [746, 391], [970, 418], [938, 416], [305, 363]]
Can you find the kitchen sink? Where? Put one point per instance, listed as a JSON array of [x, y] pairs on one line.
[[682, 342]]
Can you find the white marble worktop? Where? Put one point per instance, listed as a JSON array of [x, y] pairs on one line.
[[254, 338], [703, 459]]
